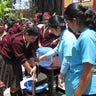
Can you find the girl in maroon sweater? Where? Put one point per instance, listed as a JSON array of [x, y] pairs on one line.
[[17, 51]]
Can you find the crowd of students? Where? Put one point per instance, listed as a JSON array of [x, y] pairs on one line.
[[18, 43], [19, 40]]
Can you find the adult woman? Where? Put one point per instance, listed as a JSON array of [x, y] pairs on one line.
[[63, 48], [16, 51], [81, 78]]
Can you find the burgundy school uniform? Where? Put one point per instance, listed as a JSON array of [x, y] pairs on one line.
[[4, 39], [18, 51], [47, 37], [15, 29], [15, 53]]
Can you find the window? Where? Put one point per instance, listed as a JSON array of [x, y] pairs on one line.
[[86, 0], [75, 1]]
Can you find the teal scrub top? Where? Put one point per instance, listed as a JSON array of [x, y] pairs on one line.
[[84, 50], [64, 49]]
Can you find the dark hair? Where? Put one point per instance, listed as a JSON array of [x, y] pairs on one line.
[[10, 23], [32, 30], [84, 14], [56, 21], [39, 17], [2, 22]]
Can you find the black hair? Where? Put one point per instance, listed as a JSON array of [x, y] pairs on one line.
[[56, 21], [2, 22], [32, 30], [39, 17], [84, 14], [9, 23]]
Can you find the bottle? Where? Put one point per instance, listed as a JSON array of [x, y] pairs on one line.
[[46, 62]]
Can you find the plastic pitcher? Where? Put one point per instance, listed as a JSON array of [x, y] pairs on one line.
[[46, 61]]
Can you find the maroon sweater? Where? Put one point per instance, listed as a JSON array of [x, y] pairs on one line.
[[14, 49], [2, 42], [15, 29], [48, 37]]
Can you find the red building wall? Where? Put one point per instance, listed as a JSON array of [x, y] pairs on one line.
[[94, 5]]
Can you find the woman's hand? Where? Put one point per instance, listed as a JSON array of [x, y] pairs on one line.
[[60, 80], [40, 58]]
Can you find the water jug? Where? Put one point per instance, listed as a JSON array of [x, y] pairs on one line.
[[47, 61]]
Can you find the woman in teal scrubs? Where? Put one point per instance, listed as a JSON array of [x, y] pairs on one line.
[[80, 80], [64, 47]]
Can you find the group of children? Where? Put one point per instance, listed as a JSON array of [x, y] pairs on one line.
[[77, 55]]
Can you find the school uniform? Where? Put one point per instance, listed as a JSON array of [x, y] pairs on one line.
[[47, 37], [14, 53]]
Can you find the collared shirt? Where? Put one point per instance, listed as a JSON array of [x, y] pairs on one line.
[[83, 51]]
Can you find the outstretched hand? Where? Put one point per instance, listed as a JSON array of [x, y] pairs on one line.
[[40, 58]]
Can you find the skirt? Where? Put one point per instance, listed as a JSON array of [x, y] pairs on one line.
[[10, 74]]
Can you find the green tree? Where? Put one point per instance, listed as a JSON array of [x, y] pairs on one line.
[[3, 5]]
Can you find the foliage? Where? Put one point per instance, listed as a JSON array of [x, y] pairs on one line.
[[9, 13], [4, 4], [20, 16]]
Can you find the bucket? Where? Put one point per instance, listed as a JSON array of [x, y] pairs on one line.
[[47, 61], [38, 89]]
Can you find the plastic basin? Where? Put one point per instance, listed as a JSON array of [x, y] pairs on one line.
[[39, 89]]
